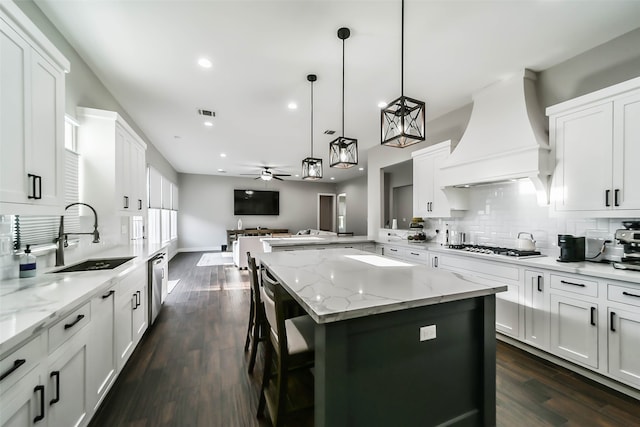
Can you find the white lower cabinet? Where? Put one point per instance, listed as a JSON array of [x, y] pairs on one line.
[[623, 333], [508, 307], [131, 314], [574, 329], [101, 349], [536, 308], [25, 404]]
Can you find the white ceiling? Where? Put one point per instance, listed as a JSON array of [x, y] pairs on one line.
[[145, 53]]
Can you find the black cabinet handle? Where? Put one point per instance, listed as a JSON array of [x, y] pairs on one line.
[[629, 294], [108, 294], [393, 250], [139, 204], [40, 389], [36, 186], [39, 196], [72, 324], [126, 202], [135, 301], [539, 283], [593, 312], [582, 285], [56, 399], [16, 364], [616, 193], [413, 253], [607, 193], [435, 261], [139, 298], [612, 316]]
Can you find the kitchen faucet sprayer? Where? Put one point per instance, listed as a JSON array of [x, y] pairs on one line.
[[62, 236]]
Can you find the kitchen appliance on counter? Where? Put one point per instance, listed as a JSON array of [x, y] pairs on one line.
[[158, 279], [571, 248], [495, 250], [629, 237]]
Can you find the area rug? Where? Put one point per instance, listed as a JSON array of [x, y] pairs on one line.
[[171, 284], [215, 258]]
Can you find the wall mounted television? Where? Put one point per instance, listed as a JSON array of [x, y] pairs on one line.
[[256, 202]]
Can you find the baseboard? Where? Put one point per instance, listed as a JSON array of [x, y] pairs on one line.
[[587, 373], [202, 249]]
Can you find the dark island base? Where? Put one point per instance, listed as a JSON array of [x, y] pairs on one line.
[[374, 370]]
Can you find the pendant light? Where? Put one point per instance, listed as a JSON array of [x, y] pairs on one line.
[[311, 166], [402, 122], [343, 152]]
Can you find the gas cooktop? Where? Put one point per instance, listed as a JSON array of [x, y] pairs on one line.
[[495, 250]]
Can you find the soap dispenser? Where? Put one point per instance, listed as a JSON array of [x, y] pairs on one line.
[[27, 263]]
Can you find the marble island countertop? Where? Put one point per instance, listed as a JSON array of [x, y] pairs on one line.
[[306, 240], [339, 284], [29, 305]]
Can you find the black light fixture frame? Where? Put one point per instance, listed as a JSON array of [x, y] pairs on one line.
[[403, 120], [312, 166], [343, 151]]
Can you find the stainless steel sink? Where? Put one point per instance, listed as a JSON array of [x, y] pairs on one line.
[[94, 265]]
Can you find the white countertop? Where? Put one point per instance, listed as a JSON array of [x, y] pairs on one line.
[[307, 239], [29, 305], [331, 285]]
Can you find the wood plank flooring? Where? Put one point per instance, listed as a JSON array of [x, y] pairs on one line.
[[191, 369]]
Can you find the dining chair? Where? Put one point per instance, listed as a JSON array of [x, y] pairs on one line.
[[289, 355], [258, 326]]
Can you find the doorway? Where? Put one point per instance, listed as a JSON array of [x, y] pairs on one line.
[[326, 212]]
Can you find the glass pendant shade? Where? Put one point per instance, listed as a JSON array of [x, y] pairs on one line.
[[403, 122], [312, 169], [343, 152]]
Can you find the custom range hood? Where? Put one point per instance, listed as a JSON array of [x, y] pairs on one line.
[[505, 140]]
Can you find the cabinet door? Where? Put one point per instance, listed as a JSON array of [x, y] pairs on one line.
[[583, 176], [626, 173], [124, 329], [101, 349], [139, 314], [536, 309], [440, 204], [508, 311], [13, 175], [23, 404], [46, 148], [574, 330], [67, 385], [137, 173], [123, 171], [624, 343], [422, 185]]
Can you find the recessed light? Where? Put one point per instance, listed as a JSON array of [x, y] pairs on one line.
[[292, 106], [297, 175], [360, 169], [222, 171], [382, 104], [223, 155], [208, 124], [204, 63], [332, 178]]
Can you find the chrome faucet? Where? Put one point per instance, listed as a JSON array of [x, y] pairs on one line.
[[62, 236]]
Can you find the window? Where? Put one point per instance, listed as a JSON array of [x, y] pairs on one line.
[[174, 225], [162, 212], [166, 225]]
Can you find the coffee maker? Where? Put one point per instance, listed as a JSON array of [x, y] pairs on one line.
[[629, 237], [571, 248]]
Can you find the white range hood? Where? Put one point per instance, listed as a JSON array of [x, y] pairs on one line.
[[504, 140]]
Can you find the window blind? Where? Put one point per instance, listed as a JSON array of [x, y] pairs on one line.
[[39, 230]]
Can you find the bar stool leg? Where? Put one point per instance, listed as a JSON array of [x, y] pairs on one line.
[[251, 322]]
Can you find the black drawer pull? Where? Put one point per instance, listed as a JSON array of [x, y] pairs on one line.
[[539, 283], [139, 204], [435, 261], [413, 253], [629, 294], [139, 298], [582, 285], [593, 312], [57, 398], [40, 389], [126, 202], [108, 294], [16, 364], [393, 250], [72, 324], [607, 193], [612, 316]]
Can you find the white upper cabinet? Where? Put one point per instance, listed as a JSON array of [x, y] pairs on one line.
[[114, 165], [429, 200], [32, 85], [596, 139]]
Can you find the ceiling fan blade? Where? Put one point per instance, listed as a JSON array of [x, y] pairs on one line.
[[276, 177], [251, 174], [281, 174]]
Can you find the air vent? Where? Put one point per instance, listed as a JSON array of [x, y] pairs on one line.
[[329, 132], [207, 113]]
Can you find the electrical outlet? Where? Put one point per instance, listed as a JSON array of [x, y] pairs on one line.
[[427, 332]]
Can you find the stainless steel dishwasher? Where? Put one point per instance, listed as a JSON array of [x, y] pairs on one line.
[[158, 275]]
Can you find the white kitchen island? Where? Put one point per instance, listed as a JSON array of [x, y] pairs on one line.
[[396, 343]]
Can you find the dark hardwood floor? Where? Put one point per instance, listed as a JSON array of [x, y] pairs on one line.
[[191, 369]]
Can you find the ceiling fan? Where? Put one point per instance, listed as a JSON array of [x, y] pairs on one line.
[[266, 174]]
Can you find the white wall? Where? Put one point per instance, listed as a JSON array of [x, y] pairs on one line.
[[356, 191], [206, 208]]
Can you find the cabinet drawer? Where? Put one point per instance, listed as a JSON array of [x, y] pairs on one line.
[[420, 257], [575, 285], [18, 363], [479, 268], [394, 252], [69, 326], [626, 295]]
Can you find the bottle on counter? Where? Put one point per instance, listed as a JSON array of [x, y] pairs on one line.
[[27, 263]]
